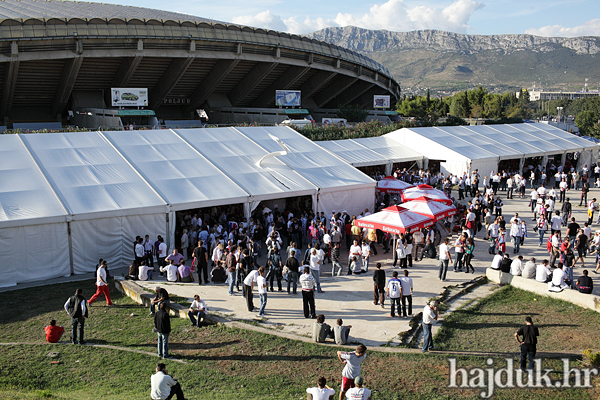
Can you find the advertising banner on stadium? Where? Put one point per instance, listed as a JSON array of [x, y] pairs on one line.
[[287, 98], [136, 97], [380, 101]]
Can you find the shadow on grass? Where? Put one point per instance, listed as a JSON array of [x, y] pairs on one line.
[[487, 325], [253, 358], [185, 346]]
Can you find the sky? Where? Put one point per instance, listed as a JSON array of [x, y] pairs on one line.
[[484, 17]]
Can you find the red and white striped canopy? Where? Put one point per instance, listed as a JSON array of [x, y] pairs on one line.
[[395, 220], [389, 184], [425, 192], [433, 209]]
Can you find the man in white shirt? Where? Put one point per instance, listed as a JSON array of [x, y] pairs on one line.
[[261, 282], [534, 197], [197, 309], [559, 278], [145, 272], [315, 268], [321, 391], [249, 281], [407, 291], [445, 258], [163, 386], [355, 251], [171, 271], [101, 284], [542, 272], [497, 260], [358, 392], [516, 267], [430, 314]]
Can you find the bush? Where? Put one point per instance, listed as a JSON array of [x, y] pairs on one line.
[[353, 113], [361, 130]]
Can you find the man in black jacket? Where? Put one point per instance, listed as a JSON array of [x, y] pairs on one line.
[[162, 324], [76, 307], [293, 266], [379, 285]]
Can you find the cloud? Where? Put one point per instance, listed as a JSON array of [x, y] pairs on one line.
[[589, 28], [393, 15], [265, 19]]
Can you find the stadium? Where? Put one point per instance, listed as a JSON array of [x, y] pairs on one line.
[[60, 59]]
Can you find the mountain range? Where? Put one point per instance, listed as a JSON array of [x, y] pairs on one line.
[[447, 62]]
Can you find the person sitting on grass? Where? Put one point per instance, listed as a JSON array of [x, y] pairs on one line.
[[321, 391], [341, 332], [54, 332], [163, 386], [321, 330], [359, 392]]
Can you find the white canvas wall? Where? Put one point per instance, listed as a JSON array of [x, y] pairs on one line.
[[354, 201], [33, 252]]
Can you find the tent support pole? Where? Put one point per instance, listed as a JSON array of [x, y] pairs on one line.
[[71, 266]]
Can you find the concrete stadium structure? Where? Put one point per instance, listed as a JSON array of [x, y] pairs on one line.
[[57, 56]]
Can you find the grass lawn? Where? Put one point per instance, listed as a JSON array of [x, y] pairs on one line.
[[491, 324], [220, 362]]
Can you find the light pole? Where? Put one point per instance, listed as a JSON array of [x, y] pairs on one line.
[[559, 109]]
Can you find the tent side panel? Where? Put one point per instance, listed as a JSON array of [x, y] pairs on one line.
[[111, 239], [354, 201], [33, 253], [429, 148]]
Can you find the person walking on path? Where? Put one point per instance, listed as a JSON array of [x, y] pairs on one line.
[[529, 333], [379, 286], [445, 258], [430, 314], [351, 371], [102, 285], [307, 282], [76, 307], [162, 325]]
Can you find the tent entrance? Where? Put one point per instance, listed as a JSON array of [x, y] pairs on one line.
[[374, 171]]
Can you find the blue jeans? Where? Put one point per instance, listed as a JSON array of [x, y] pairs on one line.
[[541, 233], [336, 264], [292, 281], [163, 344], [427, 337], [192, 317], [366, 263], [443, 269], [239, 278], [231, 276], [458, 261], [516, 242], [394, 302], [263, 303], [570, 275], [315, 274]]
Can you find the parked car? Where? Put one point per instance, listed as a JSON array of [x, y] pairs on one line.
[[300, 122]]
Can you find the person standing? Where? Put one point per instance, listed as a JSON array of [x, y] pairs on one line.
[[529, 333], [161, 252], [335, 260], [315, 268], [379, 285], [394, 293], [163, 386], [102, 285], [351, 371], [197, 310], [162, 324], [307, 282], [407, 291], [261, 282], [321, 391], [293, 266], [445, 258], [249, 282], [76, 307], [201, 261], [430, 314]]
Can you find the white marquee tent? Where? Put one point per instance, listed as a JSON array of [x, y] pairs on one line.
[[380, 150], [466, 148], [68, 199]]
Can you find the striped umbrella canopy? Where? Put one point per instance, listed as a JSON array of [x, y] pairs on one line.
[[389, 184], [432, 209], [425, 192], [395, 220]]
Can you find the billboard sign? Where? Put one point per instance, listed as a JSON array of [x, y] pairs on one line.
[[287, 98], [131, 97], [380, 101]]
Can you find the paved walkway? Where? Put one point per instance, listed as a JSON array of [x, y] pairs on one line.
[[350, 297]]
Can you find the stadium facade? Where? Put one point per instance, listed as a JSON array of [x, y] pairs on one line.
[[60, 56]]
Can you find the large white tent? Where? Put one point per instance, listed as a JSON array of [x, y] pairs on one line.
[[380, 150], [465, 148], [68, 199]]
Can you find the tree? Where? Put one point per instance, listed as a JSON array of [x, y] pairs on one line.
[[353, 113], [585, 121]]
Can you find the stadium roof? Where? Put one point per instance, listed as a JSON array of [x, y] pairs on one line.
[[15, 9]]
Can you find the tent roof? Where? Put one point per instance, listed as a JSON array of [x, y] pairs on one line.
[[501, 141], [370, 151], [25, 194], [90, 176]]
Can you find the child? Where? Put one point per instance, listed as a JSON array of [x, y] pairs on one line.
[[355, 266], [351, 370], [341, 332]]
